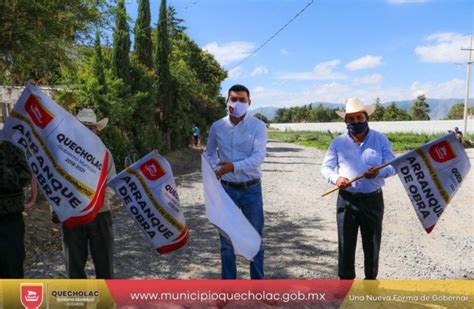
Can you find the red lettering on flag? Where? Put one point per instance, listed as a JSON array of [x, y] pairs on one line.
[[40, 115]]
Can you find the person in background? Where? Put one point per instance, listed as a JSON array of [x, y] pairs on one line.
[[96, 236], [15, 175], [196, 135]]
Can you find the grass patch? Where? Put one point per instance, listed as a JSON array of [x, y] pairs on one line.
[[321, 140]]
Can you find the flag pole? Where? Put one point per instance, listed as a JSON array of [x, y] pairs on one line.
[[355, 179]]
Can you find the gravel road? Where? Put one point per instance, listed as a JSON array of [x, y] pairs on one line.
[[300, 230]]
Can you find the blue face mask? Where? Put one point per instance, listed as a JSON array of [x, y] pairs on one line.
[[357, 128]]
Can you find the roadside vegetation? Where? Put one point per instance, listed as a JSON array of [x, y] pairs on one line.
[[321, 140]]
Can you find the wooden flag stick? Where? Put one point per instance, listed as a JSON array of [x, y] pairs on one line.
[[355, 179]]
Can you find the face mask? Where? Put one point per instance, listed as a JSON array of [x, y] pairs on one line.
[[357, 128], [237, 109]]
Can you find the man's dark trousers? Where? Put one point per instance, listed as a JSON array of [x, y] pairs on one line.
[[96, 236], [12, 245], [364, 211]]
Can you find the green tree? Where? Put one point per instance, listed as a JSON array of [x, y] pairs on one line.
[[162, 66], [457, 111], [121, 48], [175, 24], [143, 44], [99, 90], [379, 111], [323, 114], [261, 117], [283, 115], [393, 113], [419, 110], [38, 37]]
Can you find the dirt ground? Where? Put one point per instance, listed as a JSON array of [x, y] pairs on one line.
[[300, 230]]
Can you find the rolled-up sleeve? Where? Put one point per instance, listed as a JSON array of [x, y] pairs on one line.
[[330, 164], [259, 151]]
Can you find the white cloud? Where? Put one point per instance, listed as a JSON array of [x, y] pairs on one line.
[[369, 79], [326, 68], [322, 71], [260, 70], [406, 1], [444, 47], [284, 51], [365, 62], [337, 92], [450, 89], [235, 73], [230, 52]]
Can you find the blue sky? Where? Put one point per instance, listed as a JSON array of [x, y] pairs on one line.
[[392, 49]]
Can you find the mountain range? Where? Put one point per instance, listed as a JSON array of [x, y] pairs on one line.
[[439, 107]]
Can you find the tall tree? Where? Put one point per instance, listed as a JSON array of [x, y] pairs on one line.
[[162, 65], [143, 44], [99, 65], [419, 110], [378, 113], [175, 27], [121, 48]]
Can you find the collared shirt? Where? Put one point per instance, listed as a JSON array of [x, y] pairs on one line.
[[244, 144], [347, 158]]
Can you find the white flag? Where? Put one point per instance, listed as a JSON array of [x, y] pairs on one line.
[[223, 213], [431, 175], [68, 161], [148, 191]]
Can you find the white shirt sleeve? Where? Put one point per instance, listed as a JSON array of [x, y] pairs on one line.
[[387, 155], [330, 164]]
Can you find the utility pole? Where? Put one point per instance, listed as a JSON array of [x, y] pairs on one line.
[[468, 78]]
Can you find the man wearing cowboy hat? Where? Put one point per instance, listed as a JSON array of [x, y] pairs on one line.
[[359, 204], [97, 235]]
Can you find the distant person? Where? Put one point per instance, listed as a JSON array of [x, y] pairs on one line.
[[196, 135], [458, 134], [236, 148], [360, 205], [97, 235], [15, 175]]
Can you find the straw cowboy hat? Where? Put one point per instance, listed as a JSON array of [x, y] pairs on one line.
[[354, 106], [88, 117]]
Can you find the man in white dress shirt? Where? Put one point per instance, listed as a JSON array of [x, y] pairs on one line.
[[236, 149], [359, 204]]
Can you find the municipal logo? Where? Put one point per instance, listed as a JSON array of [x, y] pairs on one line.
[[152, 169], [31, 295]]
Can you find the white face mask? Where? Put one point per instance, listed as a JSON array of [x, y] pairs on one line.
[[237, 109]]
